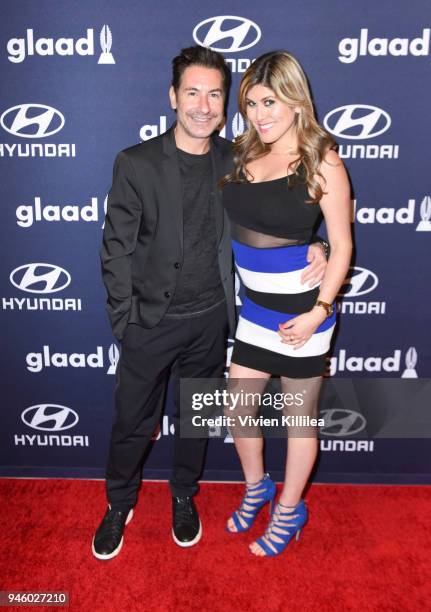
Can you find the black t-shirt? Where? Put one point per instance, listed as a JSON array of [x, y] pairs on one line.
[[199, 286]]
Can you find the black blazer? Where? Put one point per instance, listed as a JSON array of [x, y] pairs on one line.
[[142, 248]]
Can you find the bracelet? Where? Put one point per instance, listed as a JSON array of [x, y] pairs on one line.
[[328, 307], [326, 247]]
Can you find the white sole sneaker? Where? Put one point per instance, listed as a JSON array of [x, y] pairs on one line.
[[115, 552], [192, 542]]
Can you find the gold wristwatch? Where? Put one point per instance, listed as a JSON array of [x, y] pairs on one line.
[[328, 307]]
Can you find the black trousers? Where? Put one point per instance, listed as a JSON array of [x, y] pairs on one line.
[[196, 345]]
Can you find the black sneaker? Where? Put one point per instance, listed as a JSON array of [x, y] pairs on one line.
[[186, 525], [108, 539]]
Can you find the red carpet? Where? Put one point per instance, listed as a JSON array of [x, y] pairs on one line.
[[364, 548]]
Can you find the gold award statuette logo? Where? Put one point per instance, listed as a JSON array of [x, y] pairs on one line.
[[106, 56]]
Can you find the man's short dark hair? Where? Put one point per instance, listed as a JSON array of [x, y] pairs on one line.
[[200, 56]]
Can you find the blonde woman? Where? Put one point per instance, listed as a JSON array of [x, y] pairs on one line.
[[286, 176]]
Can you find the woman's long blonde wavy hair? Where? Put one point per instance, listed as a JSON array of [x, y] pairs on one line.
[[281, 72]]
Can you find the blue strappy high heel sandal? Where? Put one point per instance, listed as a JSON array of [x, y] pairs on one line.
[[282, 527], [256, 496]]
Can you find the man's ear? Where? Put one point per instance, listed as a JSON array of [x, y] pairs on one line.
[[173, 98]]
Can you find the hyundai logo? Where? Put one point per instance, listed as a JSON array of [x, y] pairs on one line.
[[342, 422], [357, 121], [359, 282], [49, 417], [40, 278], [32, 120], [227, 34]]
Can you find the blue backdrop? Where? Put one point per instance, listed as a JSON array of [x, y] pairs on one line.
[[83, 80]]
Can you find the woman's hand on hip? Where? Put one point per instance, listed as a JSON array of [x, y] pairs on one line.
[[299, 330]]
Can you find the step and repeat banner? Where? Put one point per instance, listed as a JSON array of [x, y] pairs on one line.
[[83, 80]]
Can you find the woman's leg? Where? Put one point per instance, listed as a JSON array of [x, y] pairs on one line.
[[248, 440], [302, 445]]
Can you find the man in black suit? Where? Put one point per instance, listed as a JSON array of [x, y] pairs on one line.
[[167, 267]]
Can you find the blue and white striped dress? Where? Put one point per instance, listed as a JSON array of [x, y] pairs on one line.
[[271, 230]]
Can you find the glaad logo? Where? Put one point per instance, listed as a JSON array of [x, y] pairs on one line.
[[27, 214], [106, 56], [392, 363], [41, 278], [163, 429], [149, 131], [27, 121], [229, 351], [34, 121], [238, 127], [360, 281], [114, 356], [410, 361], [403, 215], [360, 122], [340, 422], [51, 418], [351, 48], [424, 224], [36, 362], [105, 209], [20, 48], [228, 34]]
